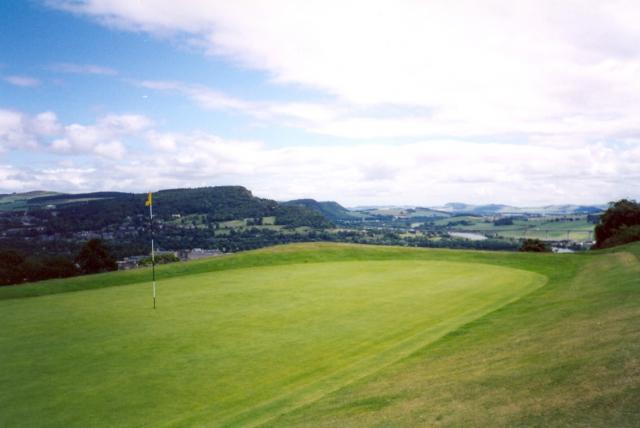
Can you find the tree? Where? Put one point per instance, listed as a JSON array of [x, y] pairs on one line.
[[11, 267], [593, 218], [49, 267], [534, 245], [619, 224], [505, 221], [94, 258], [160, 259]]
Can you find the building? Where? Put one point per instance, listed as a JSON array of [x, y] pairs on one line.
[[129, 262], [198, 253]]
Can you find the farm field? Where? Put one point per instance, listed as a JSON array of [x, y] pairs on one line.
[[9, 202], [548, 234], [544, 228], [330, 335], [404, 212]]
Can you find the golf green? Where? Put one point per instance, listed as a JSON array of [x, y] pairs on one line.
[[239, 346]]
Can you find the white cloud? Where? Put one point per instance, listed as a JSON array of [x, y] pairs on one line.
[[112, 149], [124, 123], [313, 117], [163, 141], [363, 122], [45, 124], [423, 173], [560, 78], [102, 138], [43, 131], [24, 81], [204, 96], [12, 131], [66, 67], [61, 145], [19, 131], [480, 68], [13, 178]]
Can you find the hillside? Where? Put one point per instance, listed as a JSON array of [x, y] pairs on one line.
[[218, 203], [493, 209], [18, 201], [330, 209], [403, 212], [460, 208], [188, 218], [331, 335]]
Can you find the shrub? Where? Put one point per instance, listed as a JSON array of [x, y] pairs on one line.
[[94, 258], [534, 245], [624, 235], [160, 259], [620, 216]]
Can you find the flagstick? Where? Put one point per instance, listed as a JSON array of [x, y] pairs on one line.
[[153, 259]]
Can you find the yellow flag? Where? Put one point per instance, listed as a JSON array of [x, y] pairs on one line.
[[149, 200]]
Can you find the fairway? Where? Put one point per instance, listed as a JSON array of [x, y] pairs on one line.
[[234, 347]]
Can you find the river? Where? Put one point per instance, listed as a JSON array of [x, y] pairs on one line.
[[468, 235]]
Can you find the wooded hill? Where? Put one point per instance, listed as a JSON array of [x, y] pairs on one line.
[[92, 211], [330, 209]]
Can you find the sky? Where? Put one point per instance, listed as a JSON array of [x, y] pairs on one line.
[[362, 102]]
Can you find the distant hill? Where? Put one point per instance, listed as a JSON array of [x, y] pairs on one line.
[[580, 209], [27, 195], [233, 202], [461, 208], [67, 198], [16, 201], [90, 211], [493, 209], [456, 206], [330, 209], [227, 218], [406, 212], [490, 209]]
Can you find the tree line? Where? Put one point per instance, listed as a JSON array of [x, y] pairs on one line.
[[93, 257], [221, 203]]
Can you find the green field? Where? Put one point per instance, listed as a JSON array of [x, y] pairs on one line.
[[403, 212], [548, 234], [19, 201], [544, 228], [331, 335]]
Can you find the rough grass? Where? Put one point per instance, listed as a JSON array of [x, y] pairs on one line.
[[325, 334], [564, 355]]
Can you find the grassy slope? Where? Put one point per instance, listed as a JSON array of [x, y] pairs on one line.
[[238, 346], [281, 255], [564, 354], [10, 202]]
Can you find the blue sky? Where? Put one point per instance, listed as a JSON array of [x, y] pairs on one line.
[[38, 39], [360, 102]]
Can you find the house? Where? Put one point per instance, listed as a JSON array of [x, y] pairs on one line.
[[198, 253], [129, 262]]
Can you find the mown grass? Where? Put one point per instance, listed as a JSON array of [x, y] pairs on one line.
[[232, 347], [326, 334], [564, 355], [279, 255]]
